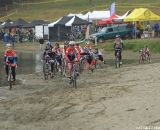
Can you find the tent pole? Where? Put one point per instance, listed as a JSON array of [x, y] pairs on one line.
[[135, 30], [58, 33]]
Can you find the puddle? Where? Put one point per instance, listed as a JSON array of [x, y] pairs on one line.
[[28, 63]]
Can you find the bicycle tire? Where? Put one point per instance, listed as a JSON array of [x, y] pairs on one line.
[[46, 71], [10, 78], [81, 67], [74, 82], [74, 75], [117, 62]]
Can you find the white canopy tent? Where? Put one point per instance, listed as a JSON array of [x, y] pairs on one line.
[[121, 18], [52, 24], [96, 15], [78, 15], [69, 23]]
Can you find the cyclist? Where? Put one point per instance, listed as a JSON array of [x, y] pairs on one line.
[[49, 53], [72, 55], [88, 45], [99, 55], [146, 50], [58, 52], [89, 57], [118, 45], [10, 57], [78, 47]]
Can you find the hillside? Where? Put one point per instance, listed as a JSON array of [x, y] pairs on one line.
[[53, 9]]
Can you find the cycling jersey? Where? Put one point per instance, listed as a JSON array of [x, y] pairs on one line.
[[146, 50], [58, 51], [48, 51], [10, 57], [78, 49], [71, 54], [88, 46]]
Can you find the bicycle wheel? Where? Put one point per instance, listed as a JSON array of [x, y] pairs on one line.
[[74, 82], [117, 62], [81, 66], [140, 59], [10, 78], [46, 71], [74, 76]]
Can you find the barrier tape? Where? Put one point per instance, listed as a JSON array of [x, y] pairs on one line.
[[37, 3], [9, 14]]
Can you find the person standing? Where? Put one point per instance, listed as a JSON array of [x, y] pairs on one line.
[[6, 38], [41, 42], [156, 29], [12, 40]]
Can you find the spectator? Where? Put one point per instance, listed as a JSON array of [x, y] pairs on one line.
[[41, 42], [31, 35], [12, 40], [6, 38], [156, 29], [149, 29]]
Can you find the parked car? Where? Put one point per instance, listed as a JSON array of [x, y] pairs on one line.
[[124, 30]]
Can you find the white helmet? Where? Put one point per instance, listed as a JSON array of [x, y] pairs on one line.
[[72, 43], [8, 45]]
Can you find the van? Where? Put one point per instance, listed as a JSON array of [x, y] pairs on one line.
[[124, 30]]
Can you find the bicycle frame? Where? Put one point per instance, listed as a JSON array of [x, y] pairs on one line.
[[74, 75], [10, 76], [47, 67]]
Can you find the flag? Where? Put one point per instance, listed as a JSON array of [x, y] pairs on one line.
[[112, 9]]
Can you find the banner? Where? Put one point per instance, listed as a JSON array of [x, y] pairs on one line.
[[112, 9]]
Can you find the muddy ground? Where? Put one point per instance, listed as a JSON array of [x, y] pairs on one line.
[[109, 99]]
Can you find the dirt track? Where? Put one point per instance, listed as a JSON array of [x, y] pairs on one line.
[[108, 99]]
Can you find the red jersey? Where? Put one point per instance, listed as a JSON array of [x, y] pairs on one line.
[[72, 52], [78, 49], [89, 46], [10, 56], [11, 53]]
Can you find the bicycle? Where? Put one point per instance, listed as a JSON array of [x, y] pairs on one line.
[[98, 62], [82, 63], [48, 67], [144, 57], [59, 65], [117, 58], [10, 76]]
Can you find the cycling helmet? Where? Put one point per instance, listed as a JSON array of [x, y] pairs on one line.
[[117, 36], [8, 45], [87, 42], [71, 42], [48, 43]]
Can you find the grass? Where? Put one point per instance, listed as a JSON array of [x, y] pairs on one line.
[[134, 45], [52, 9]]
